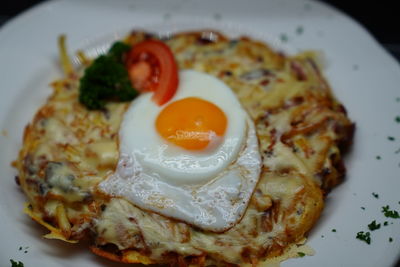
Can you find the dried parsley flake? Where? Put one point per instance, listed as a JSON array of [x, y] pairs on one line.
[[301, 254], [374, 226], [366, 237], [284, 38], [299, 30], [390, 213], [16, 264]]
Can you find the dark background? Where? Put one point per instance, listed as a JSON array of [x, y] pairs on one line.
[[379, 17]]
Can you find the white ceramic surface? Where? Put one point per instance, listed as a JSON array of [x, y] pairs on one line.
[[364, 77]]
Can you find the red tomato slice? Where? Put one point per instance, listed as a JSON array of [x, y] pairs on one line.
[[152, 67]]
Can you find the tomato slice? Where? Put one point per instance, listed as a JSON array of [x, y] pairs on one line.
[[152, 67]]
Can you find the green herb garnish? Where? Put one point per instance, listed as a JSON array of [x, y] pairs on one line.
[[16, 264], [299, 30], [378, 157], [106, 79], [363, 208], [301, 254], [390, 239], [334, 230], [390, 213], [366, 237], [375, 195], [397, 119], [391, 138], [374, 226], [284, 38], [385, 223], [217, 16]]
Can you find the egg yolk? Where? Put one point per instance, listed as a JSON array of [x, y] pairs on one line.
[[191, 123]]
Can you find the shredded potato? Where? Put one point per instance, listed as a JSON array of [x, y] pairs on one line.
[[302, 131], [64, 58], [82, 58]]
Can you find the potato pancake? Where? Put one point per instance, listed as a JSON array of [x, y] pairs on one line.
[[301, 128]]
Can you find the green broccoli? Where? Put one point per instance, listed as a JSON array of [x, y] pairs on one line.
[[106, 79], [117, 50]]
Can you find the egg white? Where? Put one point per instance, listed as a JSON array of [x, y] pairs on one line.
[[209, 189], [172, 163]]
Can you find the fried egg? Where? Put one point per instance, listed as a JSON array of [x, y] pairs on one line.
[[194, 159]]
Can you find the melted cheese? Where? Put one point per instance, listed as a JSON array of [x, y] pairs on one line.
[[299, 125]]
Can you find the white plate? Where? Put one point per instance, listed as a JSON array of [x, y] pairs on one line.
[[364, 77]]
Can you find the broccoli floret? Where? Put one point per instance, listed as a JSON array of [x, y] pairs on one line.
[[118, 49], [106, 79]]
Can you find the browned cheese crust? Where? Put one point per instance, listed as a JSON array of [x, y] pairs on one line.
[[302, 129]]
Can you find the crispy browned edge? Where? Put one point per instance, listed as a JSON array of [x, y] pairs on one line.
[[174, 259]]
